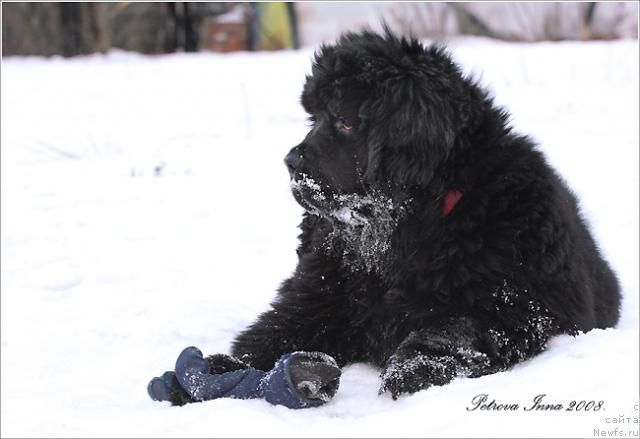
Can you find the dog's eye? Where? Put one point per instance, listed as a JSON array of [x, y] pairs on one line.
[[344, 126]]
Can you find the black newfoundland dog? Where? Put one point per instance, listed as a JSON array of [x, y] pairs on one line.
[[436, 242]]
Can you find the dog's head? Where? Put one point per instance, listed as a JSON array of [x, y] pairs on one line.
[[386, 112]]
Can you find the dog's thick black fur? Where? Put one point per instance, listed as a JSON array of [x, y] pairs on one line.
[[436, 242]]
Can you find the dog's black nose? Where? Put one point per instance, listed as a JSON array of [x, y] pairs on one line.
[[293, 160]]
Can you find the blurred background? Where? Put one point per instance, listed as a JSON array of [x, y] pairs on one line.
[[70, 29]]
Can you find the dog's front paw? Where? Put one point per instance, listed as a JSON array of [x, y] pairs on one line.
[[221, 363], [406, 376]]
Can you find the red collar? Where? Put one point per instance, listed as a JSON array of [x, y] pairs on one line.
[[450, 201]]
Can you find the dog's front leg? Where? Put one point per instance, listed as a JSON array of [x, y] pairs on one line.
[[434, 356], [267, 339], [300, 320], [465, 347]]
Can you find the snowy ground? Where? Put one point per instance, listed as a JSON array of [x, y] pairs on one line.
[[145, 208]]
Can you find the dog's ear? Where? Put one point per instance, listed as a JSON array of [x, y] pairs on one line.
[[412, 131]]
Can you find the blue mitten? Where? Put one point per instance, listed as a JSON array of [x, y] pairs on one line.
[[167, 388], [192, 372], [298, 380]]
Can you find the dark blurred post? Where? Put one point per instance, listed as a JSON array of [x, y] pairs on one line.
[[70, 20], [293, 23], [253, 26], [190, 34], [181, 32], [469, 23], [172, 28], [589, 14], [79, 28], [587, 33]]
